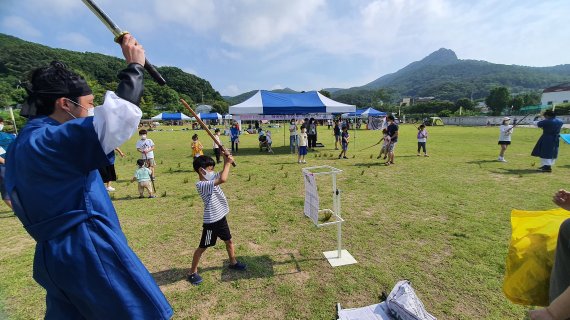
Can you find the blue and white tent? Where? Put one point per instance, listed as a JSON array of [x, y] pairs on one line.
[[209, 116], [365, 113], [266, 102], [166, 116], [371, 112]]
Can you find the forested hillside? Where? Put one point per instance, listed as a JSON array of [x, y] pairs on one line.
[[18, 58]]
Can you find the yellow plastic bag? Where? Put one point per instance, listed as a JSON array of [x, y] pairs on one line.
[[531, 255]]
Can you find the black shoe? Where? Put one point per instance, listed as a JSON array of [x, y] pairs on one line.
[[545, 169], [194, 279]]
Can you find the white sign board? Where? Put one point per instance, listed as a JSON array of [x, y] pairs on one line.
[[311, 197]]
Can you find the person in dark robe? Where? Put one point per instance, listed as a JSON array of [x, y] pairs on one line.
[[546, 147], [82, 257]]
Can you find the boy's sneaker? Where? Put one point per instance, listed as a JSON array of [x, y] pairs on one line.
[[238, 266], [111, 189], [141, 196], [151, 196], [426, 155], [303, 161], [345, 157], [194, 279]]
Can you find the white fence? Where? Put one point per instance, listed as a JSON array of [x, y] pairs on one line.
[[492, 121]]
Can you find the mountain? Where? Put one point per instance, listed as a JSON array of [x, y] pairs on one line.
[[19, 57], [443, 76]]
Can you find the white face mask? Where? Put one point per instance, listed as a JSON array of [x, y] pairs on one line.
[[143, 137], [208, 175], [90, 111]]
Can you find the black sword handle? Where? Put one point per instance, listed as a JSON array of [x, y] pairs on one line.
[[154, 73], [147, 65]]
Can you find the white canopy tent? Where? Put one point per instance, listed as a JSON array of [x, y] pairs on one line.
[[289, 105]]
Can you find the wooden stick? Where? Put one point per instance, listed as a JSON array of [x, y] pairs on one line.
[[371, 146], [13, 120], [205, 127]]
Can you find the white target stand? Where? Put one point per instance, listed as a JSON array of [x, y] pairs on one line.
[[312, 210]]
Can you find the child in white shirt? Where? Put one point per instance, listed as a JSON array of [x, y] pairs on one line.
[[385, 143], [303, 141]]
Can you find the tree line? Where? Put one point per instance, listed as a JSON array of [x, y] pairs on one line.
[[18, 58]]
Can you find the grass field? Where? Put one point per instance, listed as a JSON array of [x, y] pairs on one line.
[[442, 222]]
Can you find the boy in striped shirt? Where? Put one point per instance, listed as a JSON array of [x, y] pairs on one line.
[[215, 211]]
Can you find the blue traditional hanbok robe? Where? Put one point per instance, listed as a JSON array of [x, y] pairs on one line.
[[82, 258], [547, 145]]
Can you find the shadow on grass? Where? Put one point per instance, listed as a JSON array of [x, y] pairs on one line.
[[129, 198], [519, 172], [257, 267], [7, 214], [178, 170], [481, 162], [371, 164]]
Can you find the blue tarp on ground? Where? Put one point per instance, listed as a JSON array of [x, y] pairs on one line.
[[271, 103]]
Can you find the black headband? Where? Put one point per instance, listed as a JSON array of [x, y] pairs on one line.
[[62, 83]]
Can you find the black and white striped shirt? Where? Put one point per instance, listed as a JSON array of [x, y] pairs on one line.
[[215, 202]]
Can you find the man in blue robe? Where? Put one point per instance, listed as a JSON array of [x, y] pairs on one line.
[[546, 147], [82, 258]]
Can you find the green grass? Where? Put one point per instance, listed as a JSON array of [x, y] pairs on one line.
[[442, 222]]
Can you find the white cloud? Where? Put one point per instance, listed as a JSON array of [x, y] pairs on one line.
[[262, 23], [233, 55], [55, 7], [190, 70], [75, 41], [197, 14], [231, 90], [241, 23], [137, 22], [20, 27]]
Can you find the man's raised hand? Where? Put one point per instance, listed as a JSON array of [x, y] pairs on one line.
[[132, 50]]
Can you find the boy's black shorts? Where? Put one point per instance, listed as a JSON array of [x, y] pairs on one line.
[[211, 232]]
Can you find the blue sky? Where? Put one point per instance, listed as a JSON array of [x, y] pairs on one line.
[[243, 45]]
